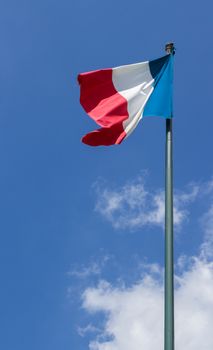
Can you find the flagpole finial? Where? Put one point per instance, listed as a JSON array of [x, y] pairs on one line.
[[170, 48]]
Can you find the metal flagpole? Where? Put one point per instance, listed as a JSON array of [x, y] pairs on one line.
[[169, 261]]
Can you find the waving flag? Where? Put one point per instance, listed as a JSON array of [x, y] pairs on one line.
[[117, 98]]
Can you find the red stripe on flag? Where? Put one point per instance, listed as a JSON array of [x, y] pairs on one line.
[[105, 136], [100, 99]]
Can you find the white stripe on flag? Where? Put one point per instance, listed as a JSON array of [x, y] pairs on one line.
[[134, 83]]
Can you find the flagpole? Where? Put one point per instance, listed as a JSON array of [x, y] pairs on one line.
[[169, 260]]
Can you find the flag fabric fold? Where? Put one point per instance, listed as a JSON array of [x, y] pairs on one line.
[[117, 98]]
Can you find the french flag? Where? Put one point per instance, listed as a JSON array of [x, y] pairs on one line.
[[117, 98]]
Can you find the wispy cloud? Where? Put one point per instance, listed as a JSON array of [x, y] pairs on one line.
[[93, 268], [133, 205], [85, 271], [82, 331], [207, 223]]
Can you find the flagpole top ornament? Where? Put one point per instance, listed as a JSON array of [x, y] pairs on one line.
[[170, 48]]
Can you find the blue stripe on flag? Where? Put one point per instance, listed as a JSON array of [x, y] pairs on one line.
[[160, 101]]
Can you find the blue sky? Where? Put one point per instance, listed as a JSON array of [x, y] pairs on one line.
[[59, 237]]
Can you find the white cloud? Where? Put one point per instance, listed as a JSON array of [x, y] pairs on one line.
[[134, 314], [133, 206]]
